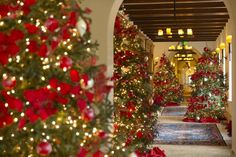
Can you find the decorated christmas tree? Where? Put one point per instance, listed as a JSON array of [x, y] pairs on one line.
[[209, 99], [52, 93], [134, 113], [167, 89]]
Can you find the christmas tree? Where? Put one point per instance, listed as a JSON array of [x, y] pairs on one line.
[[134, 113], [167, 89], [53, 96], [208, 100]]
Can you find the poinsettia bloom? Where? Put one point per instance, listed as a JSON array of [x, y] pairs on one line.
[[82, 104], [66, 62], [64, 88], [82, 152], [33, 46], [65, 34], [31, 28], [29, 3], [72, 18], [15, 35], [21, 123], [8, 83], [13, 49], [5, 117], [14, 103], [98, 154], [90, 96], [43, 50], [52, 24]]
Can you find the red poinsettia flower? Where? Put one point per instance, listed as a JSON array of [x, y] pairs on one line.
[[72, 19], [74, 75], [43, 50], [33, 46], [82, 152], [31, 28], [5, 117]]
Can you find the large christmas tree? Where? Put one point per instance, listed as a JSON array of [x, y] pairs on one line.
[[134, 113], [208, 100], [167, 89], [52, 93]]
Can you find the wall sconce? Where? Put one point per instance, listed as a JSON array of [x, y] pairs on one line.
[[217, 50], [189, 31], [160, 32], [229, 41], [168, 31]]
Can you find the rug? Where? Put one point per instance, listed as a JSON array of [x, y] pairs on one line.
[[188, 134], [174, 111]]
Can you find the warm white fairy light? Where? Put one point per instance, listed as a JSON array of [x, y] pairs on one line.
[[43, 78], [84, 125], [6, 104], [43, 28], [43, 133], [1, 138], [48, 137], [32, 139], [1, 23], [86, 134], [32, 130], [63, 17], [22, 114], [123, 149], [64, 69], [24, 128], [19, 21], [57, 126], [58, 88], [72, 95], [118, 147], [27, 103], [13, 91], [48, 87], [37, 22], [112, 152], [71, 128], [88, 49], [8, 14], [95, 130], [15, 120], [45, 12], [81, 144], [45, 126], [64, 42], [51, 16], [89, 41], [12, 135], [69, 47], [53, 123]]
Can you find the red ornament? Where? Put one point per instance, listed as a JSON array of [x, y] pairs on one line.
[[44, 148], [66, 62], [52, 24], [74, 75], [139, 134], [9, 83], [88, 114]]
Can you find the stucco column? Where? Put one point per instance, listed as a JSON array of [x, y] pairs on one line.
[[102, 28]]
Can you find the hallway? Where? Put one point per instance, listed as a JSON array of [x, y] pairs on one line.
[[174, 116]]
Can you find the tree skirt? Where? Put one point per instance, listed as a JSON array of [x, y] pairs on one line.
[[189, 134], [174, 111]]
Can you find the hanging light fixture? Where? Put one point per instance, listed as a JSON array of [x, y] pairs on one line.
[[180, 30]]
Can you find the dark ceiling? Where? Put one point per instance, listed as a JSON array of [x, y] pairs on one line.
[[207, 18]]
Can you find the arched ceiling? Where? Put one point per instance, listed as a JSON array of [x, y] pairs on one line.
[[207, 18]]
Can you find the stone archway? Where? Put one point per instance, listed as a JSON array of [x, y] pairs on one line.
[[104, 13]]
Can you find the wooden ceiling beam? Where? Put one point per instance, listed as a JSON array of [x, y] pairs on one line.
[[197, 17], [182, 39], [178, 11], [180, 21], [134, 2], [181, 24], [178, 5]]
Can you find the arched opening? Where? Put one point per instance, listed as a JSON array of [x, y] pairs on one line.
[[106, 49]]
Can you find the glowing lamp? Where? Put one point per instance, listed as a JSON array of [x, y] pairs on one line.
[[180, 31], [168, 31], [189, 31], [222, 46], [217, 50], [229, 38], [160, 32]]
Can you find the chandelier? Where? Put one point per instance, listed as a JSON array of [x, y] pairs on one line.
[[180, 31], [183, 51]]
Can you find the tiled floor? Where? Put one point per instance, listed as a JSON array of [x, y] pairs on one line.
[[194, 150]]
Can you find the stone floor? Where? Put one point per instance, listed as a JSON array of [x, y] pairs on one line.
[[194, 150]]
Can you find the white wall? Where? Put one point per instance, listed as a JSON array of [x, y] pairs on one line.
[[228, 30], [161, 47]]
